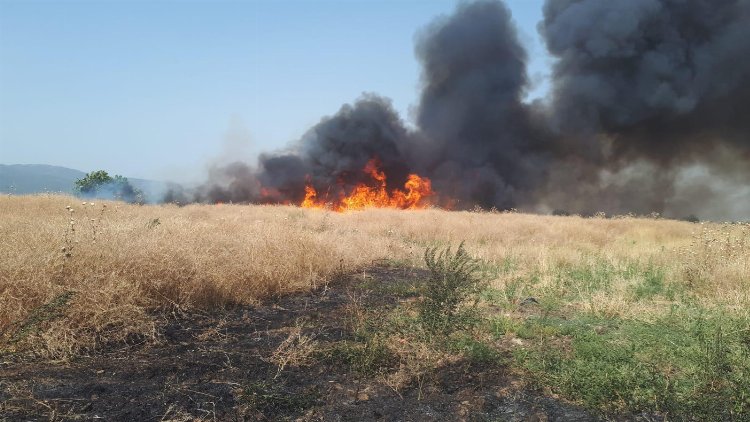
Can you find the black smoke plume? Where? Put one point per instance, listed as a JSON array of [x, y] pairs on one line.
[[648, 88], [648, 99], [666, 78], [482, 147]]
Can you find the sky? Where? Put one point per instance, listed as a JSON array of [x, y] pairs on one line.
[[160, 89]]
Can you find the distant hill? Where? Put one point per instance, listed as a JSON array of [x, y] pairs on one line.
[[22, 179], [36, 178]]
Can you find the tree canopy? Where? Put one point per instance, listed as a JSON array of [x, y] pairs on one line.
[[100, 184]]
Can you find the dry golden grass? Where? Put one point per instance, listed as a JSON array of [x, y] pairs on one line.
[[124, 262]]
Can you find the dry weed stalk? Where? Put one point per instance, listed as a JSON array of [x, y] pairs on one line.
[[296, 350]]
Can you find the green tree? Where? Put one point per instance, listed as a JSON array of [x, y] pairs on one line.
[[92, 182], [100, 184]]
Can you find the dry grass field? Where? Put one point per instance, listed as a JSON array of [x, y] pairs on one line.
[[615, 300]]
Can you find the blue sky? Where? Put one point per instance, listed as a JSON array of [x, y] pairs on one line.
[[159, 89]]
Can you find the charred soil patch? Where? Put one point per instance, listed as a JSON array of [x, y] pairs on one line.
[[297, 357]]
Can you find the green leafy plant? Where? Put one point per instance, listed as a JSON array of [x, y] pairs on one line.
[[455, 278]]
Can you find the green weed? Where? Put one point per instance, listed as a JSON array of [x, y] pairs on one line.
[[691, 364], [363, 358], [455, 278], [475, 351]]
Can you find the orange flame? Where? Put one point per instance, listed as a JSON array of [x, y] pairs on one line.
[[415, 196], [310, 196]]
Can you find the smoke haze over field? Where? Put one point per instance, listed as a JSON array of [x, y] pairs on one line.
[[647, 113]]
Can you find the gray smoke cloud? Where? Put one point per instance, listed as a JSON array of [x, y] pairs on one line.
[[644, 95], [648, 87]]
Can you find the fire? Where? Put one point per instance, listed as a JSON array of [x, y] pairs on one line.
[[415, 195], [310, 197]]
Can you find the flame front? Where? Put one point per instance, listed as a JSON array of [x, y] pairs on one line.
[[310, 197], [415, 195]]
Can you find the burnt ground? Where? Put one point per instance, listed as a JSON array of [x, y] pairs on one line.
[[220, 366]]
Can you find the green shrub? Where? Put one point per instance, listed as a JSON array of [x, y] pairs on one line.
[[454, 280]]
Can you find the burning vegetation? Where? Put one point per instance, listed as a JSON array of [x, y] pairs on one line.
[[416, 194]]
